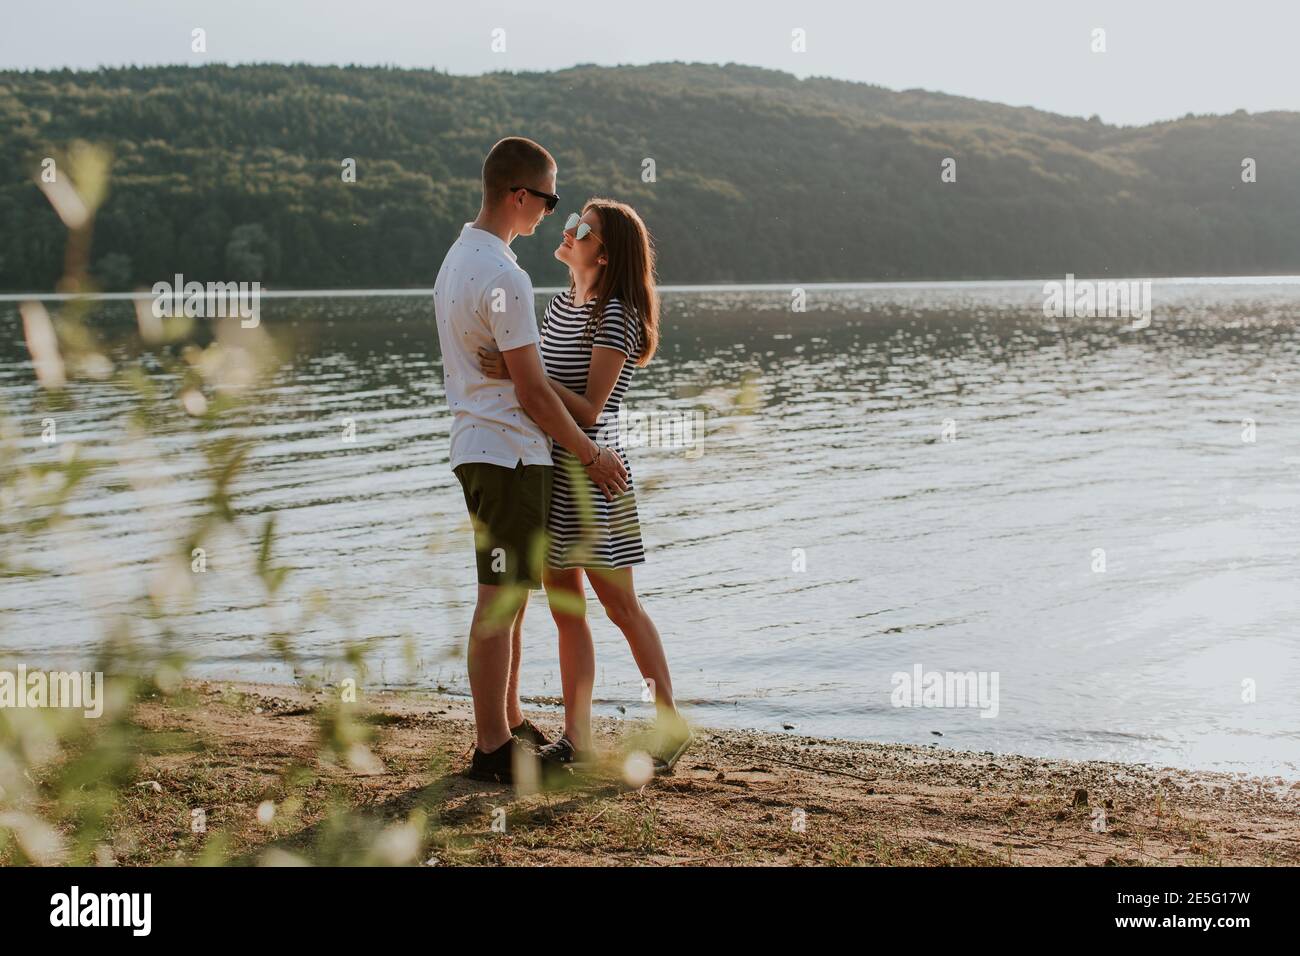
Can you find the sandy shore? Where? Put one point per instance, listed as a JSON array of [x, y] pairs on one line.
[[736, 797]]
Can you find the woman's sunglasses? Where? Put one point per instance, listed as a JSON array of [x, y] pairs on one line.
[[581, 230], [552, 200]]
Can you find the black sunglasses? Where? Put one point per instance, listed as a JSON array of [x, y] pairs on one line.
[[552, 200]]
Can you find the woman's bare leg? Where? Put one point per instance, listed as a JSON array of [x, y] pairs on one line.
[[568, 599], [617, 595]]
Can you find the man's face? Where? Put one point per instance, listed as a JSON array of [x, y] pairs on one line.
[[532, 209]]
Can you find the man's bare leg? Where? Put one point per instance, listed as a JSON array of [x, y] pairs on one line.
[[514, 710], [489, 660]]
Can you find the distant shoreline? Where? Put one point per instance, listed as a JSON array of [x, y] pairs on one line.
[[719, 286]]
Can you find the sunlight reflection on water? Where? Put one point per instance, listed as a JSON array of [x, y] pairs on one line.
[[824, 434]]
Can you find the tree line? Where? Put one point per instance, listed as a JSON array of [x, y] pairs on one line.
[[743, 174]]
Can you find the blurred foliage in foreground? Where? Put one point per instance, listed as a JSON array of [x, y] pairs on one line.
[[64, 777]]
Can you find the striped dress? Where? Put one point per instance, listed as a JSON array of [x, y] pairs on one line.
[[586, 530]]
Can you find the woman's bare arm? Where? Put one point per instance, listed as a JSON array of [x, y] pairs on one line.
[[606, 366]]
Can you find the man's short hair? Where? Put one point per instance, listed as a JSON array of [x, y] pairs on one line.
[[514, 161]]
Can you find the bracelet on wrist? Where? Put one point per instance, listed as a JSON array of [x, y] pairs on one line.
[[599, 452]]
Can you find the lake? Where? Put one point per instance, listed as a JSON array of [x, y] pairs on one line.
[[914, 476]]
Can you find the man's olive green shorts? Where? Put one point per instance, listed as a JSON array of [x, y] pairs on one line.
[[508, 507]]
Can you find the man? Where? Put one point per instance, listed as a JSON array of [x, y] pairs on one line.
[[500, 437]]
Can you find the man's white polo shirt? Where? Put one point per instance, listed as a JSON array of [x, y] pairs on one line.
[[482, 298]]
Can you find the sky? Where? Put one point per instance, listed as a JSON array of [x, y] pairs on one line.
[[1162, 59]]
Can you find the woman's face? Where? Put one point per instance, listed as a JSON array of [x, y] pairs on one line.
[[587, 253]]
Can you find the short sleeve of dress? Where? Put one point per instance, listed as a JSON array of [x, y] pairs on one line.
[[618, 329], [549, 311]]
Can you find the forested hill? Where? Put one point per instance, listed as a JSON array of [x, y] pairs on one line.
[[235, 172]]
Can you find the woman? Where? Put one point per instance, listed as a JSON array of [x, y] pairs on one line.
[[593, 336]]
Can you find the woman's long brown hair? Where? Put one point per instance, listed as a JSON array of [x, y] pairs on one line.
[[629, 276]]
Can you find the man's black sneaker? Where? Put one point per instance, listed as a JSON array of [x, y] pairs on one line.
[[498, 766], [530, 733]]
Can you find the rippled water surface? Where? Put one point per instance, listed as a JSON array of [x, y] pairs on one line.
[[1076, 442]]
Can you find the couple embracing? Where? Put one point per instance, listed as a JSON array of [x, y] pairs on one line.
[[550, 505]]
